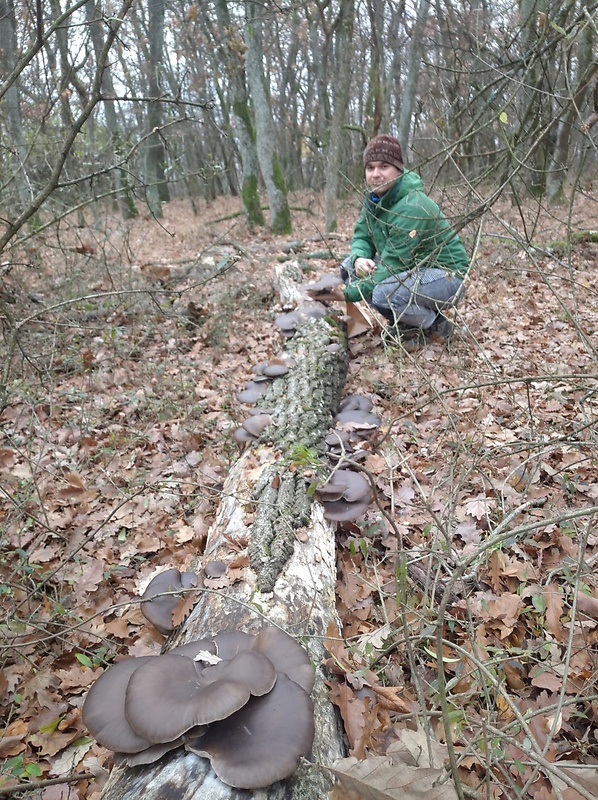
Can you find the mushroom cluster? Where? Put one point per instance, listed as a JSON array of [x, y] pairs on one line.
[[238, 699], [259, 418], [355, 423], [289, 322], [345, 496]]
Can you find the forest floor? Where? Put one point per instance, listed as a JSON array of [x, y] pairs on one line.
[[116, 439]]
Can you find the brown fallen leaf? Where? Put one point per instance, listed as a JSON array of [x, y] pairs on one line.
[[587, 604], [544, 678], [393, 698], [184, 608], [392, 777], [553, 596]]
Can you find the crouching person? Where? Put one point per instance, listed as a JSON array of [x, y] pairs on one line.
[[405, 261]]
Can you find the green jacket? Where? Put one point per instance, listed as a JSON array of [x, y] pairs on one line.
[[406, 229]]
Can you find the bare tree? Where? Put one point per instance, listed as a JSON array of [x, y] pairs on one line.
[[280, 216], [344, 28], [15, 177], [155, 151]]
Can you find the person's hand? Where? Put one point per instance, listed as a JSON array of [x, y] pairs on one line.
[[364, 266]]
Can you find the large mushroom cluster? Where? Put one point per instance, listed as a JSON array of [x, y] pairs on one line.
[[241, 700], [347, 493], [259, 418]]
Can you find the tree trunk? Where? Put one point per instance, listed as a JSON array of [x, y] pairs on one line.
[[155, 152], [120, 179], [16, 174], [290, 579], [280, 214], [560, 159], [416, 51], [341, 102], [244, 126], [375, 100]]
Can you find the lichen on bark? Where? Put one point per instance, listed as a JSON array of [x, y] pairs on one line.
[[304, 400]]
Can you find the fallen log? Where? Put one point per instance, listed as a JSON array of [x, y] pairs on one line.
[[289, 576]]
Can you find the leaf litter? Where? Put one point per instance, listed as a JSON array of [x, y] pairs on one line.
[[112, 468]]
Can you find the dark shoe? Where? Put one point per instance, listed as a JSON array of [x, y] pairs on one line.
[[410, 339], [441, 327]]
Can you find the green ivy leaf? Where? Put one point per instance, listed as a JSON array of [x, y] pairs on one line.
[[83, 659]]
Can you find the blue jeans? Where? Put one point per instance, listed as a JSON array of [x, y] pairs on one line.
[[415, 298]]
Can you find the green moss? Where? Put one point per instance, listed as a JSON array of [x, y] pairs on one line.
[[243, 114], [282, 220], [251, 202]]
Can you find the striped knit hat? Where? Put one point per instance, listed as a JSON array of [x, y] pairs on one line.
[[384, 148]]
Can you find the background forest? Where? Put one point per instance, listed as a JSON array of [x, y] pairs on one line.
[[157, 160]]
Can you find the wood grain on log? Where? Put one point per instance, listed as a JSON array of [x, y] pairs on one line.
[[302, 596]]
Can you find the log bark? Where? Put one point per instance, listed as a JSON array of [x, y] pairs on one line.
[[290, 578]]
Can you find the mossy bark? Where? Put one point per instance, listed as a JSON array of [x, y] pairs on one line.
[[304, 401], [230, 52], [280, 216], [252, 203]]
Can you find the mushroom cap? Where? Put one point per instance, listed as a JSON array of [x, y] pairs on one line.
[[325, 283], [104, 708], [253, 412], [337, 437], [191, 649], [257, 424], [158, 610], [315, 310], [172, 694], [287, 656], [275, 370], [355, 401], [229, 643], [287, 322], [215, 569], [250, 667], [264, 741], [344, 511], [252, 392], [242, 436], [351, 499], [359, 417], [351, 486], [258, 369], [329, 492]]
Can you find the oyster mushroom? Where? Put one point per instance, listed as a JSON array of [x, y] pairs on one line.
[[171, 694], [326, 283], [252, 392], [104, 708], [159, 609], [275, 370], [346, 496], [264, 741], [257, 424], [355, 401]]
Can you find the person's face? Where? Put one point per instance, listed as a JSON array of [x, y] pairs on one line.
[[380, 176]]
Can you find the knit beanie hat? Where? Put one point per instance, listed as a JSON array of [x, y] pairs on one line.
[[384, 148]]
